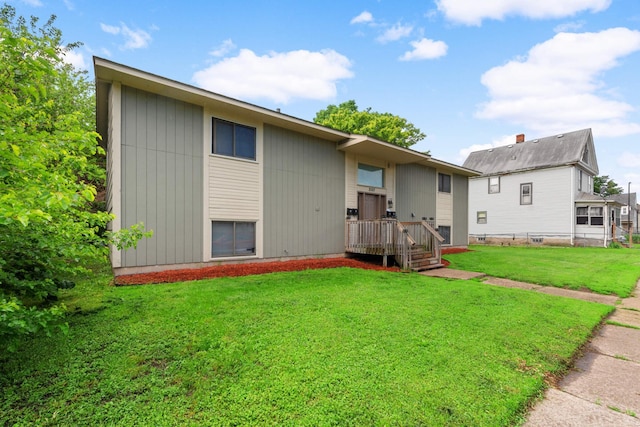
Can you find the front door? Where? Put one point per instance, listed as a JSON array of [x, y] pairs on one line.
[[372, 206]]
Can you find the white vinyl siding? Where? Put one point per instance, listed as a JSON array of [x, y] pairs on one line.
[[552, 210], [234, 190]]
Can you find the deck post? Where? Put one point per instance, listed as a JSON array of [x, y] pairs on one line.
[[384, 260]]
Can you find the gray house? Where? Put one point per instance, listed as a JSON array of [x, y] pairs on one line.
[[224, 181], [628, 212], [540, 191]]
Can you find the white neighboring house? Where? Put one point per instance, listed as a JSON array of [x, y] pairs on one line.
[[540, 191]]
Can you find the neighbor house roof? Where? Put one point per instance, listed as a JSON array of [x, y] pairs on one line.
[[558, 150], [107, 72]]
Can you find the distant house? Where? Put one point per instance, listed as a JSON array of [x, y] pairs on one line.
[[628, 211], [223, 181], [540, 191]]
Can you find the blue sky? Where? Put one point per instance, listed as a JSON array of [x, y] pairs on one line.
[[470, 74]]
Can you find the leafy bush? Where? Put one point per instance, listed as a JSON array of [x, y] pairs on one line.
[[49, 170]]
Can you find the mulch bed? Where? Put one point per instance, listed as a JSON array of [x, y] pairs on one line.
[[232, 270], [245, 269]]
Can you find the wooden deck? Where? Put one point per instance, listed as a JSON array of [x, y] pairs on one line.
[[414, 245]]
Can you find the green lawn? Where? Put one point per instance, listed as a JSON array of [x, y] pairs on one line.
[[601, 270], [324, 347]]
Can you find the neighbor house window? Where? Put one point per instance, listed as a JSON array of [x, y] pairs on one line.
[[526, 194], [596, 215], [624, 210], [444, 183], [579, 180], [481, 217], [370, 176], [445, 232], [231, 238], [590, 215], [494, 184], [234, 140], [582, 215]]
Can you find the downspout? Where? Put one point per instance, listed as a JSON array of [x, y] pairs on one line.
[[572, 202]]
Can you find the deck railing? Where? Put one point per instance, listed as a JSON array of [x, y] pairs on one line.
[[386, 237]]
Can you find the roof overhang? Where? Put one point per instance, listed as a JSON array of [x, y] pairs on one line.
[[108, 72], [367, 146]]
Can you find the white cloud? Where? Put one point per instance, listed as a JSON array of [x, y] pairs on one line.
[[133, 39], [74, 58], [34, 3], [394, 33], [472, 12], [425, 49], [629, 160], [499, 142], [569, 27], [69, 4], [279, 77], [557, 86], [364, 18], [224, 48]]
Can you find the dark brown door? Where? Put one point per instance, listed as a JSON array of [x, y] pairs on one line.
[[371, 206]]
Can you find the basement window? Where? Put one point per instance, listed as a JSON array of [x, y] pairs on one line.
[[231, 238]]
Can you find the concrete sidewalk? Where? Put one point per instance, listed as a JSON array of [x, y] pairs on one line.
[[603, 387]]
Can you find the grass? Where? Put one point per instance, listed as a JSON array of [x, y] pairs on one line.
[[601, 270], [318, 347]]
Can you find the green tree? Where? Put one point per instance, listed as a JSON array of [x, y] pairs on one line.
[[606, 186], [384, 126], [49, 169]]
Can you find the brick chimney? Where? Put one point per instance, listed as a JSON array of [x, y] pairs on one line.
[[519, 138]]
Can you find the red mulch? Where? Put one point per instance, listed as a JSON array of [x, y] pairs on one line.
[[232, 270], [246, 269]]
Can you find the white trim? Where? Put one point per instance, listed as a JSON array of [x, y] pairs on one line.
[[115, 148]]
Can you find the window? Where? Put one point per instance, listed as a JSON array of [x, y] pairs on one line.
[[229, 238], [624, 210], [481, 217], [494, 184], [585, 155], [526, 196], [370, 176], [444, 183], [445, 232], [234, 140], [579, 180], [582, 215], [596, 215]]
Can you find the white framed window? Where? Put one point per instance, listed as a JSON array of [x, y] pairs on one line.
[[624, 210], [370, 176], [582, 215], [233, 139], [481, 217], [596, 215], [526, 193], [494, 184], [579, 179], [232, 238]]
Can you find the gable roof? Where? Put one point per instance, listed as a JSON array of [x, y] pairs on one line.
[[571, 148], [107, 72]]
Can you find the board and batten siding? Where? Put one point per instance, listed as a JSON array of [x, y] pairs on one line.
[[460, 226], [304, 195], [162, 169], [551, 211], [416, 192]]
